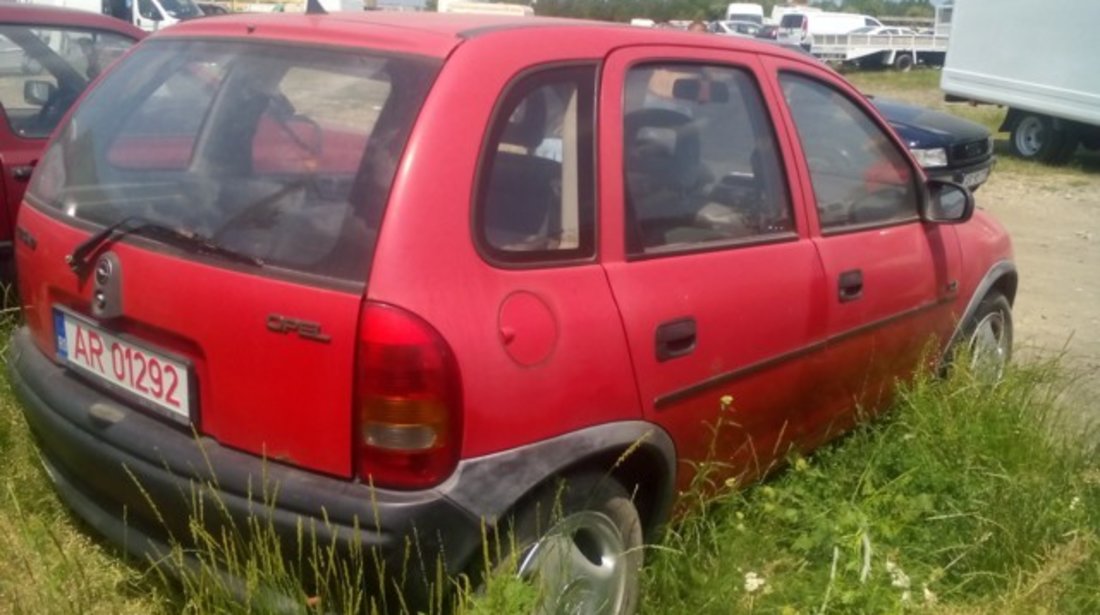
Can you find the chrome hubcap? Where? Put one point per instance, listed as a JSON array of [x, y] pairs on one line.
[[579, 566], [989, 347], [1029, 136]]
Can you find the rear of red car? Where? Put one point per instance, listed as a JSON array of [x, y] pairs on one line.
[[194, 256]]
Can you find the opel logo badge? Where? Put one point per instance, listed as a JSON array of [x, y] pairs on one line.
[[104, 269]]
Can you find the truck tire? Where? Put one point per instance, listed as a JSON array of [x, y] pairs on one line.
[[1039, 138], [903, 62]]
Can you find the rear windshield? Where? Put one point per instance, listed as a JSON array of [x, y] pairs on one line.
[[281, 153], [791, 21]]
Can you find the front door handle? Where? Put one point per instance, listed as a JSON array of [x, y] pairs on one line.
[[675, 338], [850, 285]]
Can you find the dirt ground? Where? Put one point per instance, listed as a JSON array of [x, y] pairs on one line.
[[1054, 219]]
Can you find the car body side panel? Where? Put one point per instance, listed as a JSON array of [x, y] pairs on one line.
[[585, 378]]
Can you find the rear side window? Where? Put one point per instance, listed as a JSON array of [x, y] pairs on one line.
[[701, 164], [283, 154], [536, 189], [860, 177]]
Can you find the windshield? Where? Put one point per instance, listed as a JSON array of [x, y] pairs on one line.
[[284, 154], [181, 9], [791, 21]]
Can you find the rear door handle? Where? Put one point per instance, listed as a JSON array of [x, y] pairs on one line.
[[23, 173], [850, 285], [675, 338]]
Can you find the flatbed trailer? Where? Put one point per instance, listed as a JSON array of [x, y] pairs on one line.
[[900, 51]]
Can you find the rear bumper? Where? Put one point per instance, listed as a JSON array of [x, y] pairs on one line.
[[137, 479]]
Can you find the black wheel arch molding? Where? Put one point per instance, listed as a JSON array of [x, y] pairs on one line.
[[1002, 276]]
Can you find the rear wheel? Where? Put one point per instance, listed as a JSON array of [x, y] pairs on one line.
[[904, 62], [1040, 138], [581, 545]]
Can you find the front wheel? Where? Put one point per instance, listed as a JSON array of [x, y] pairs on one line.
[[580, 543], [988, 337]]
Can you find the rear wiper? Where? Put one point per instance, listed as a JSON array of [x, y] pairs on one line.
[[80, 257]]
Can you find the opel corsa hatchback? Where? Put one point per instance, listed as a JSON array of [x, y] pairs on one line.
[[410, 270]]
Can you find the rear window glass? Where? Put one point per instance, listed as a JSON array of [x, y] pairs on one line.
[[282, 154]]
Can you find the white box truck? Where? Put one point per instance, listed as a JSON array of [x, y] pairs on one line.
[[148, 15], [745, 11], [1039, 61]]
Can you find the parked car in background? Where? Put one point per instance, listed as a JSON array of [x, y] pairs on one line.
[[47, 57], [212, 8], [736, 28], [883, 31], [262, 258], [947, 146], [769, 31], [745, 11]]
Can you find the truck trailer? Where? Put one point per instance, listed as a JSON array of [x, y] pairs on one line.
[[1039, 62]]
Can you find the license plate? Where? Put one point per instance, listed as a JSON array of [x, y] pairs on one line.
[[152, 378], [975, 178]]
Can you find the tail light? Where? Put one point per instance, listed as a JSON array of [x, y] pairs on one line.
[[408, 401]]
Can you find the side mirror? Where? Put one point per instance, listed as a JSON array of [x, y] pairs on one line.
[[37, 92], [948, 202]]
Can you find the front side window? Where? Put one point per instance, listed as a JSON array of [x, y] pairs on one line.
[[44, 70], [280, 154], [701, 165], [860, 177], [536, 189]]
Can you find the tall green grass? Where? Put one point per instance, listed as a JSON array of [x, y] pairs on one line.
[[966, 498]]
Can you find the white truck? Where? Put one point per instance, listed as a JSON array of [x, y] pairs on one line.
[[745, 11], [800, 28], [148, 15], [1040, 63]]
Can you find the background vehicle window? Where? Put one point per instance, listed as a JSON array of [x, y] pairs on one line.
[[859, 176], [701, 163], [536, 189], [44, 70]]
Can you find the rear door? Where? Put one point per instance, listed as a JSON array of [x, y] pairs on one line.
[[707, 252], [281, 156], [890, 277]]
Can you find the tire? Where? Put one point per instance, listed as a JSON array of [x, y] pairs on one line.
[[903, 62], [581, 542], [1037, 137], [987, 336]]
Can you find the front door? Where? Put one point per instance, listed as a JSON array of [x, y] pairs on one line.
[[890, 277], [706, 250]]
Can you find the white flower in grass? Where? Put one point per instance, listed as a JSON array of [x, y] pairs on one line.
[[1075, 502], [753, 582], [898, 578], [930, 596]]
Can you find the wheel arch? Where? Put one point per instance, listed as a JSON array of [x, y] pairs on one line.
[[639, 454], [1001, 277]]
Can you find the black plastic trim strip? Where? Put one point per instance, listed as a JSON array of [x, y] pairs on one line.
[[662, 402]]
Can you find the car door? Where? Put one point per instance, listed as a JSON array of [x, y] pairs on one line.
[[707, 252], [890, 277]]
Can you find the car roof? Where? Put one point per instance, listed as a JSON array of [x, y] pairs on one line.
[[437, 34], [11, 13]]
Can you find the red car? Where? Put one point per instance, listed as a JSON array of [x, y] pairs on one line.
[[411, 269], [47, 57]]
